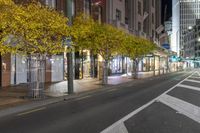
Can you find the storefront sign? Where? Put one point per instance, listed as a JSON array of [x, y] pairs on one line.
[[166, 46]]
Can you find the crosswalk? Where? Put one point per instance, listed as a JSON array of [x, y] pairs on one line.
[[181, 106]]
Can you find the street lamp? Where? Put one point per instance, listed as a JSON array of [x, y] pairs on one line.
[[190, 28], [198, 40]]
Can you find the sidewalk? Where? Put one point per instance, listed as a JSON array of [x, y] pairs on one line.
[[15, 96]]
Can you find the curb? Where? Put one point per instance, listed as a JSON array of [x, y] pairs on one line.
[[44, 102]]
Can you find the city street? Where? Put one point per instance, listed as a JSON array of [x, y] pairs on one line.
[[163, 104], [99, 66]]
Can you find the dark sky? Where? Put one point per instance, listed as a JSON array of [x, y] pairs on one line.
[[167, 3]]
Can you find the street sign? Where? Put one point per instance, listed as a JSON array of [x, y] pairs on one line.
[[166, 46], [67, 41]]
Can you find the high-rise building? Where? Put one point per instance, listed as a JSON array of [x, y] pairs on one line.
[[134, 16], [192, 49], [149, 21], [116, 13], [184, 15]]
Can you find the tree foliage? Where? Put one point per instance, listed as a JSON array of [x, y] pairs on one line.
[[32, 28], [107, 40], [7, 11], [136, 47], [82, 31]]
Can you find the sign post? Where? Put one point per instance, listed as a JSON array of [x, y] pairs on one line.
[[70, 76]]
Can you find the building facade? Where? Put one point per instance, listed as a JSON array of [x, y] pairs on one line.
[[15, 67], [138, 17], [135, 17], [150, 21], [184, 15], [192, 49]]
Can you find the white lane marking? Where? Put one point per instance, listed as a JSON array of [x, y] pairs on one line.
[[182, 107], [31, 111], [195, 81], [120, 128], [189, 87], [122, 120]]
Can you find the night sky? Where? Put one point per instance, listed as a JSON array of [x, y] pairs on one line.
[[169, 9]]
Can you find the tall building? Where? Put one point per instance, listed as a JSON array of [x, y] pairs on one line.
[[158, 12], [144, 18], [115, 13], [159, 27], [149, 21], [192, 49], [184, 15], [175, 46], [135, 17]]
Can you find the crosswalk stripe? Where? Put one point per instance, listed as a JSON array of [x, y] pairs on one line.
[[189, 87], [195, 77], [182, 107], [120, 128], [190, 80]]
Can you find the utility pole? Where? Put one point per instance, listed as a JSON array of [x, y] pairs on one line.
[[70, 74]]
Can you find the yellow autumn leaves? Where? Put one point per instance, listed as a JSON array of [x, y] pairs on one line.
[[33, 28], [106, 40]]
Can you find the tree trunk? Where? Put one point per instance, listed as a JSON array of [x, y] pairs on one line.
[[82, 64], [92, 65], [77, 65], [105, 73], [135, 69]]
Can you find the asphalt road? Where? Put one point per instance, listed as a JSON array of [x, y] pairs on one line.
[[97, 111]]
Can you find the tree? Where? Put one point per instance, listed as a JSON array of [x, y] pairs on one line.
[[135, 48], [32, 30], [7, 10], [41, 29], [107, 42], [82, 30]]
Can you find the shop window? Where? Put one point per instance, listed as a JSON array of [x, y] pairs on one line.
[[4, 66]]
